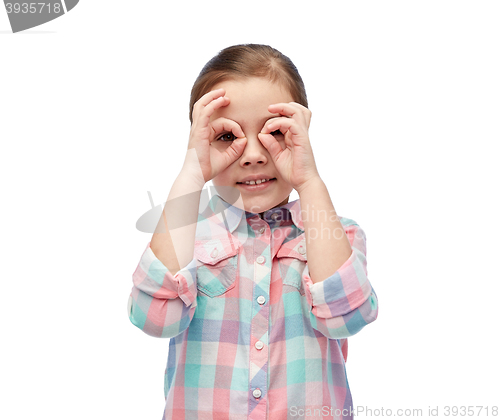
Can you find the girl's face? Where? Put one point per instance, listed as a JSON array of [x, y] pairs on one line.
[[249, 100]]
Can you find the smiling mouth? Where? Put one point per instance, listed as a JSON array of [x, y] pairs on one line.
[[259, 181]]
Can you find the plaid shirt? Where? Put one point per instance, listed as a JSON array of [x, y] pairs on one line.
[[252, 337]]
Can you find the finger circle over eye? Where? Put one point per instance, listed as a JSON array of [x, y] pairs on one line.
[[225, 124], [285, 125], [273, 124], [269, 122]]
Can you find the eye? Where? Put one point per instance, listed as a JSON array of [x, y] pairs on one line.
[[227, 137]]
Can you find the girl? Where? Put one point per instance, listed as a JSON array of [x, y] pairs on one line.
[[257, 294]]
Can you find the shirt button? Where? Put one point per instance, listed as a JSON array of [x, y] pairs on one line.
[[274, 216], [262, 230], [257, 393], [260, 259], [259, 345], [261, 300], [302, 250], [214, 253]]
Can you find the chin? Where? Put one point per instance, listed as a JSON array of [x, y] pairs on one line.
[[262, 206], [249, 202]]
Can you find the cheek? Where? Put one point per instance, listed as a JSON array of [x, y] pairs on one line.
[[224, 178], [217, 180], [220, 145]]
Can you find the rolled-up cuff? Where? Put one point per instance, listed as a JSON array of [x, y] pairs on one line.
[[342, 292], [154, 279]]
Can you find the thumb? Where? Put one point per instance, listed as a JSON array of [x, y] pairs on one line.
[[238, 146], [233, 152]]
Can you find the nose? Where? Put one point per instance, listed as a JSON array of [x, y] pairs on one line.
[[254, 152]]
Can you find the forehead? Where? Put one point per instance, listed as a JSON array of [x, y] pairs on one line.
[[250, 99]]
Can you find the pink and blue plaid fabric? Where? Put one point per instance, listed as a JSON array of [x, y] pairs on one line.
[[251, 336]]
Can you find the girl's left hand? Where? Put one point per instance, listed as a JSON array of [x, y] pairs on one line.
[[295, 163]]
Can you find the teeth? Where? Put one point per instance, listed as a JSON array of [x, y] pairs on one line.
[[259, 181]]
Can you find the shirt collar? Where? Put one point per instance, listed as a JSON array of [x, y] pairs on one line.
[[226, 215]]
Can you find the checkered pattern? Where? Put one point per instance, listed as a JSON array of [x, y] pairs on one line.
[[252, 337]]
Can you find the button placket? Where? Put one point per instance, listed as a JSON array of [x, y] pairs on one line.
[[260, 313]]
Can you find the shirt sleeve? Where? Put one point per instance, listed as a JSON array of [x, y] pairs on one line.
[[344, 303], [162, 304]]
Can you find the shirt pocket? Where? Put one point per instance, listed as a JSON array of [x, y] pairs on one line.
[[292, 260], [218, 270]]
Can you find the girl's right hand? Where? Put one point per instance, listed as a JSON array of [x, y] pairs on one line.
[[213, 160]]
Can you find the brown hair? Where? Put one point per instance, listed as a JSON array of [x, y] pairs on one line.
[[248, 60]]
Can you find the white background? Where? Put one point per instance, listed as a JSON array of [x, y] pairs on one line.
[[405, 129]]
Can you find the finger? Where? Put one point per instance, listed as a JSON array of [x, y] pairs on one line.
[[265, 129], [291, 109], [294, 110], [234, 151], [222, 125], [209, 103], [305, 111], [271, 144], [223, 159], [282, 124], [207, 99], [207, 112], [296, 105]]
